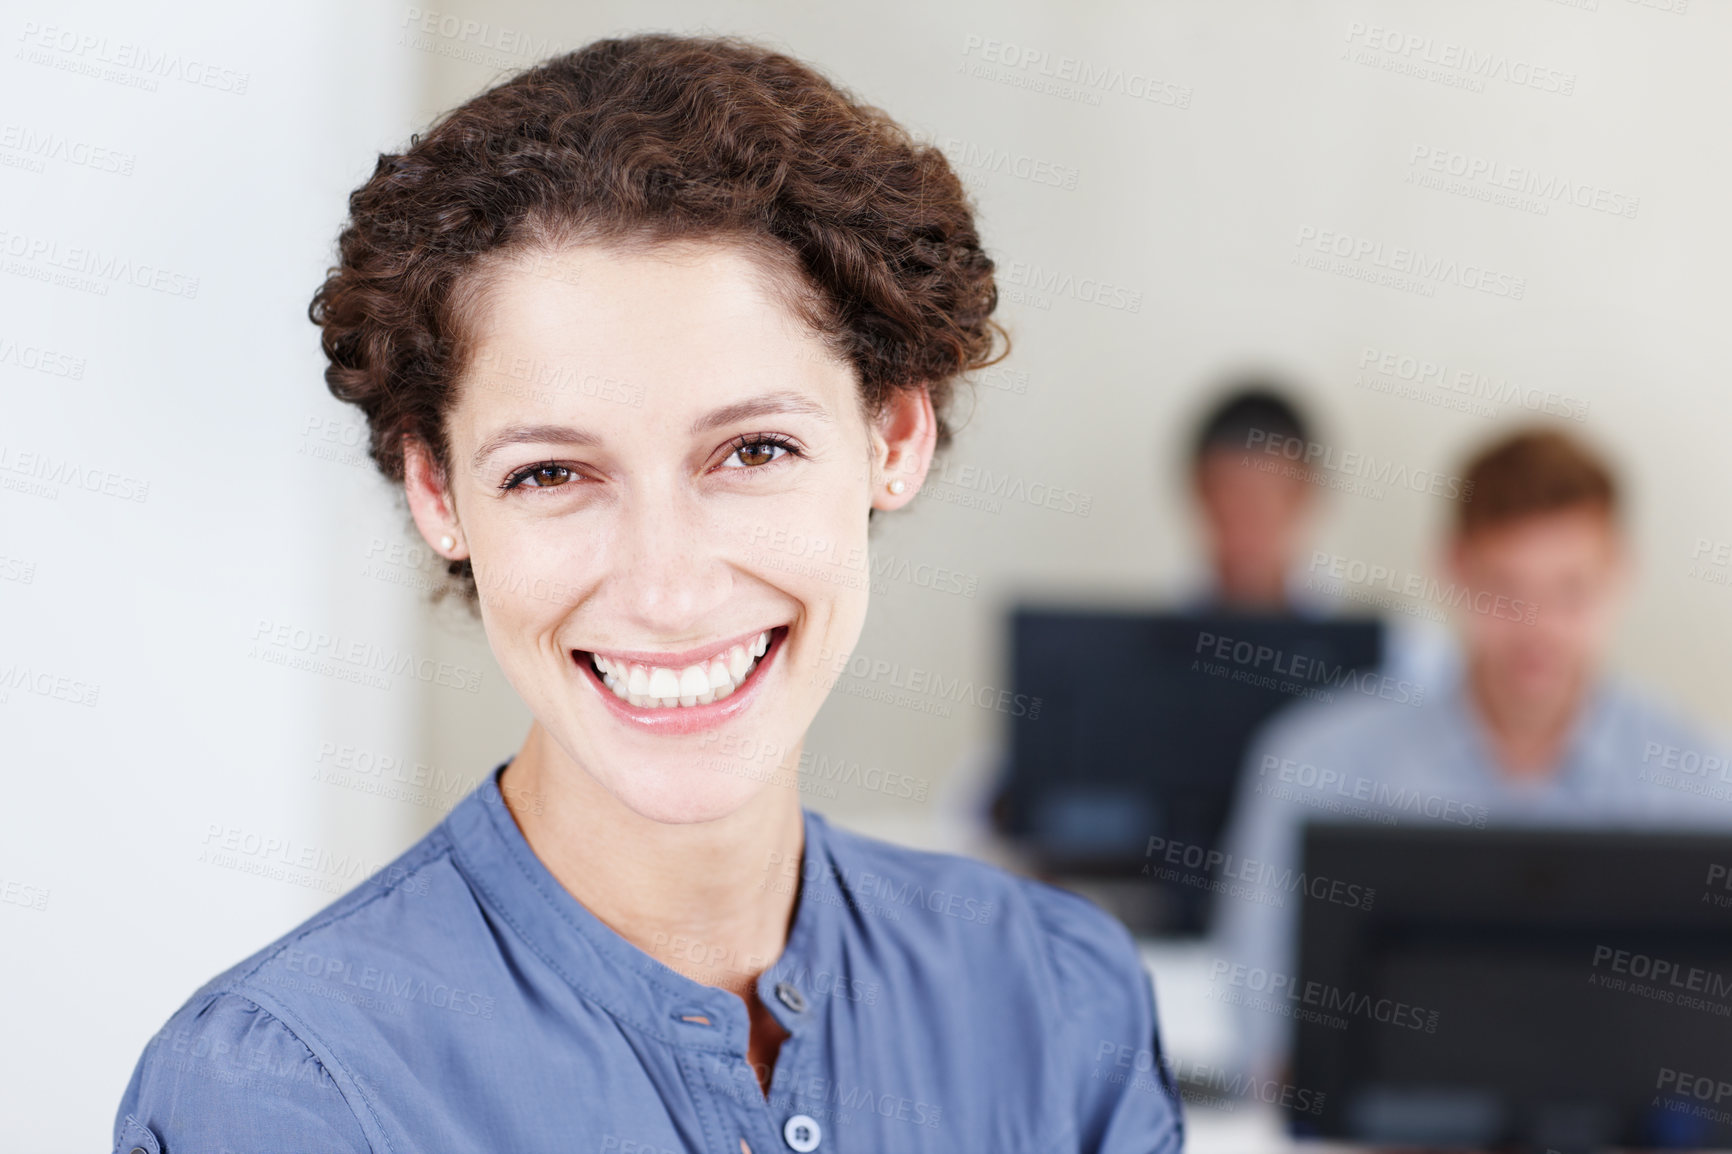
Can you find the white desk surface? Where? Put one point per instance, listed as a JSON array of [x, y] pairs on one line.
[[1196, 1030]]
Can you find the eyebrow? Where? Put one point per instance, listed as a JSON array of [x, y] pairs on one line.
[[536, 434], [767, 405], [764, 406]]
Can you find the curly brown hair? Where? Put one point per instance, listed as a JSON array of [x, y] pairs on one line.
[[642, 140]]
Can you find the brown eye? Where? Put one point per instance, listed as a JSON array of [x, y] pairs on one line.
[[544, 477], [753, 454]]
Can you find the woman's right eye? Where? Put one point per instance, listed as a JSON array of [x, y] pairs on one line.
[[543, 476]]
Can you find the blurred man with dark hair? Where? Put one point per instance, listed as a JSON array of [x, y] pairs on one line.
[[1254, 519], [1533, 732], [1256, 514]]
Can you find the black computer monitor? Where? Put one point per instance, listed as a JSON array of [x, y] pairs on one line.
[[1516, 989], [1143, 724]]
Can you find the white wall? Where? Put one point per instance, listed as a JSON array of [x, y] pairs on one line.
[[135, 717]]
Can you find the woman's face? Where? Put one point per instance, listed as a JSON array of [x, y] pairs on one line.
[[662, 479]]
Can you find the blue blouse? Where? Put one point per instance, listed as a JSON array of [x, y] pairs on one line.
[[467, 1002]]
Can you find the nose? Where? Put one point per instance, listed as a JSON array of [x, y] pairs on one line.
[[668, 575]]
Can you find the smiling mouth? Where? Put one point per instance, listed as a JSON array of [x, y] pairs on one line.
[[690, 684]]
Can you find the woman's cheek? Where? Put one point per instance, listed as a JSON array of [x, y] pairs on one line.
[[529, 573]]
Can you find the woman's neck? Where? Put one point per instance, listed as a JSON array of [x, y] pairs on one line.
[[707, 899]]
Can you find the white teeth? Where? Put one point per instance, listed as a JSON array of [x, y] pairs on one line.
[[661, 687], [738, 662]]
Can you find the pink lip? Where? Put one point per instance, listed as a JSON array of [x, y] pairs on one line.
[[686, 718], [680, 660]]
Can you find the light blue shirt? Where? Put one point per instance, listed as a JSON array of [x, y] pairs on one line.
[[467, 1002], [1628, 762]]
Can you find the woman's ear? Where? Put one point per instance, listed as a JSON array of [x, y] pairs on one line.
[[904, 435], [429, 502]]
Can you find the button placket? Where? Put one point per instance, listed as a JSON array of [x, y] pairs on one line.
[[782, 1110], [723, 1072], [795, 1021]]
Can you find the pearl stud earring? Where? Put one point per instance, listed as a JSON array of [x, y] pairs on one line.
[[448, 542], [898, 485]]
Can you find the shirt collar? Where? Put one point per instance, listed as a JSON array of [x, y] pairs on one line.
[[591, 957], [1586, 735]]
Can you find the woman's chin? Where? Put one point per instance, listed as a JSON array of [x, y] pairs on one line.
[[687, 795]]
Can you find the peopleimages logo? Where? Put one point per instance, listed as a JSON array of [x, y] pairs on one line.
[[1702, 1087], [1466, 383], [1289, 995], [1420, 50], [1409, 262], [916, 680], [437, 994], [48, 471], [990, 161], [477, 37], [103, 58], [1686, 761], [41, 360], [1047, 282], [1361, 466], [37, 147], [1498, 177], [1380, 793], [863, 887], [103, 267], [1259, 874], [1253, 658], [284, 643], [43, 683], [1419, 586], [1073, 77], [1663, 971]]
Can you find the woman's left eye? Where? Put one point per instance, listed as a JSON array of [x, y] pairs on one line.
[[756, 452]]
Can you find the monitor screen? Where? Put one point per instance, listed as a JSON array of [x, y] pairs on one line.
[[1521, 988], [1143, 725]]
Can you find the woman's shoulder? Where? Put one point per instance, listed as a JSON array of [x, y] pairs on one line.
[[988, 938], [968, 902], [374, 911], [222, 1069], [264, 1025]]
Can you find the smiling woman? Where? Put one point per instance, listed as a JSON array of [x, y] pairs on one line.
[[614, 324]]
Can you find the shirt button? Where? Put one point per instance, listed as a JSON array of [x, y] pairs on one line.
[[790, 996], [801, 1133]]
